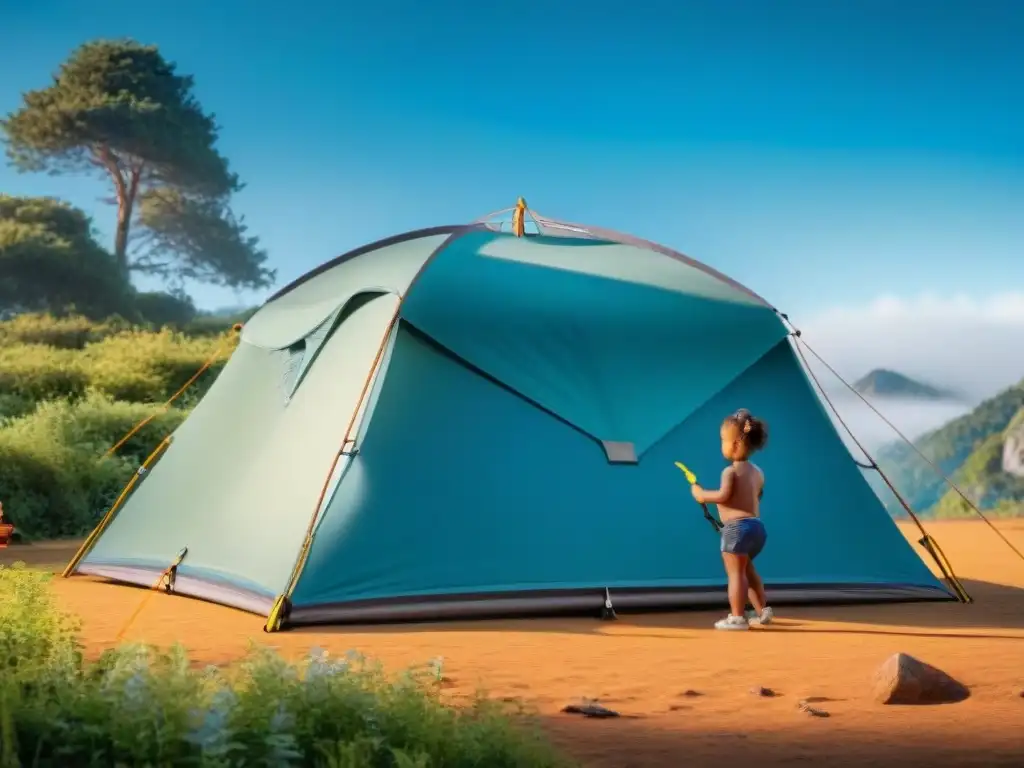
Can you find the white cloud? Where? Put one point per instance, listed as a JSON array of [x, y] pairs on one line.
[[957, 342]]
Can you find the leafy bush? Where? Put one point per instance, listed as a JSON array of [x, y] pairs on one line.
[[160, 309], [13, 405], [133, 365], [142, 366], [52, 469], [50, 260], [70, 389], [36, 372], [71, 332], [138, 706]]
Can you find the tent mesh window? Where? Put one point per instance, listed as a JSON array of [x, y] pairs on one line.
[[292, 365], [300, 355]]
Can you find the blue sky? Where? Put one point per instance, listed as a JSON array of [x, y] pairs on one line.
[[823, 153]]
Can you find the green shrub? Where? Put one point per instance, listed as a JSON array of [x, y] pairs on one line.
[[142, 366], [159, 308], [34, 372], [71, 332], [95, 423], [138, 706], [13, 405], [70, 389], [35, 636], [55, 480], [43, 358]]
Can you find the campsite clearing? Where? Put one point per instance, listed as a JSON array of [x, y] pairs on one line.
[[643, 665]]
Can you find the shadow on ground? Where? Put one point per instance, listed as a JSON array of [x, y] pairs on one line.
[[47, 555], [611, 743], [996, 607]]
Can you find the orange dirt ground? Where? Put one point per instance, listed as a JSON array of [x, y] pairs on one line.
[[642, 665]]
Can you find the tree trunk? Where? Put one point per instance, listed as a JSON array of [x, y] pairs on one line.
[[125, 208], [124, 223], [127, 190]]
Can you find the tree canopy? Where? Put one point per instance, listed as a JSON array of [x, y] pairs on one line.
[[119, 109], [50, 261], [197, 239]]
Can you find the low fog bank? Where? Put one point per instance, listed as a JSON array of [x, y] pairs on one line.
[[913, 418], [969, 346], [966, 345]]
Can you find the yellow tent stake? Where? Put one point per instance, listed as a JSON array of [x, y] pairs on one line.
[[165, 575], [930, 544], [90, 540], [276, 614], [212, 359]]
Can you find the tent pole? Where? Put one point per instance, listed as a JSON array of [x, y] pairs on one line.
[[108, 518], [280, 608]]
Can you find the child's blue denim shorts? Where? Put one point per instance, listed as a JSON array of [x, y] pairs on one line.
[[745, 536]]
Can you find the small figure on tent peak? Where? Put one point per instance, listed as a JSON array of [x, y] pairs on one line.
[[743, 532]]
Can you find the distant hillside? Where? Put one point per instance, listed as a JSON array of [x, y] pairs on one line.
[[984, 480], [884, 383], [969, 451]]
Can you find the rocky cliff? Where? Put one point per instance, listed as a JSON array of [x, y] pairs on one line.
[[1013, 447]]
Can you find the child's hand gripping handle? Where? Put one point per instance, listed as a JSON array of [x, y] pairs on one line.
[[692, 480]]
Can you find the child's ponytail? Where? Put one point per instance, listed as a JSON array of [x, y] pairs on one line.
[[753, 430]]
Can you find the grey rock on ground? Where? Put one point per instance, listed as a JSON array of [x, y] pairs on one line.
[[902, 679], [590, 709], [805, 706]]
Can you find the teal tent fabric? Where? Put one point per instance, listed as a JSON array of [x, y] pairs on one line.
[[437, 410], [509, 499], [620, 360], [239, 485]]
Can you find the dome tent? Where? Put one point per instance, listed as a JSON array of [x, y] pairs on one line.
[[466, 421]]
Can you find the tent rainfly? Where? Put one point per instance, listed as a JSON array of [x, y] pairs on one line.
[[482, 420]]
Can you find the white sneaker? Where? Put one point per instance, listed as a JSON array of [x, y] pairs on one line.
[[766, 617], [732, 622]]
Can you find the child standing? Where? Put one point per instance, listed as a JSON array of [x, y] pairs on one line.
[[743, 532]]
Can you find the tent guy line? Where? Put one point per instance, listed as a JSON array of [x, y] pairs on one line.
[[927, 541], [873, 465]]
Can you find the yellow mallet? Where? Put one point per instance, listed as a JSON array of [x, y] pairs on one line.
[[692, 480]]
